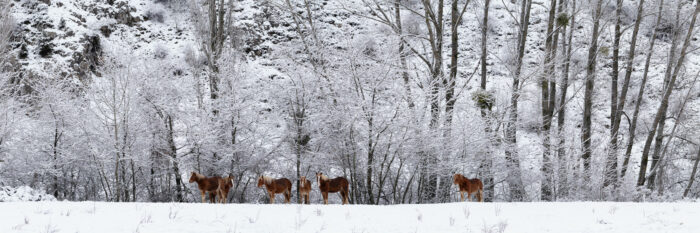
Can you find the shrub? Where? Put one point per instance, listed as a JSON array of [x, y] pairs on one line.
[[155, 15], [160, 51], [483, 99]]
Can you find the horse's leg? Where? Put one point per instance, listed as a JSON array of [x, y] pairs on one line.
[[212, 197], [469, 196], [306, 198], [481, 195], [202, 192], [272, 197], [325, 198], [345, 197], [461, 196], [222, 196], [287, 196]]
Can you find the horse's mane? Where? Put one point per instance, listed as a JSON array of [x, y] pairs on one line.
[[199, 176], [324, 177], [266, 179]]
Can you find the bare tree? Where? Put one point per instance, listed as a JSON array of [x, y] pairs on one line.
[[561, 113], [515, 183], [548, 101], [449, 84], [486, 165], [212, 27], [640, 94], [657, 125], [588, 96], [617, 117], [435, 24], [610, 171], [692, 174]]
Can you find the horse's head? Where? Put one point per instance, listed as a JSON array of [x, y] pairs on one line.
[[302, 180], [228, 180], [193, 177], [456, 179], [260, 181], [318, 177]]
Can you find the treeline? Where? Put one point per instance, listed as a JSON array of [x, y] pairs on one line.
[[569, 100]]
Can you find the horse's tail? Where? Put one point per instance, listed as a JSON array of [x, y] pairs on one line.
[[480, 192], [345, 193]]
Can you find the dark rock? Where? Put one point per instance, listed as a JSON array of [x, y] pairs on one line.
[[86, 61], [23, 53], [46, 50], [106, 30]]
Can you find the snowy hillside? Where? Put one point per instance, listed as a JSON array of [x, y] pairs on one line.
[[70, 38], [575, 217]]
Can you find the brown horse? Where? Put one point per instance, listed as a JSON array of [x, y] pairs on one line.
[[225, 185], [469, 186], [282, 185], [206, 184], [327, 185], [304, 189]]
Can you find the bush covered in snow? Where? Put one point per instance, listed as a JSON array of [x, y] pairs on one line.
[[23, 193]]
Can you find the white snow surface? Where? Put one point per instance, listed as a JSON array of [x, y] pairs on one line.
[[452, 217]]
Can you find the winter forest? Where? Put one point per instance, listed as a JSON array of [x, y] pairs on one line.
[[543, 100]]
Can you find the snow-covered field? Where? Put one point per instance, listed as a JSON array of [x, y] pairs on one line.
[[453, 217]]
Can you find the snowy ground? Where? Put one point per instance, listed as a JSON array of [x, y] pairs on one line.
[[454, 217]]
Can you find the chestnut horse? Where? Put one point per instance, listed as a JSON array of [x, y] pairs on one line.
[[469, 186], [225, 185], [327, 185], [282, 185], [304, 189], [206, 184]]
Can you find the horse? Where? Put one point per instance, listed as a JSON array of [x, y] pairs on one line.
[[206, 184], [304, 188], [469, 186], [282, 185], [327, 185], [225, 185]]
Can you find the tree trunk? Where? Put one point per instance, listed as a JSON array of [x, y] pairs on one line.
[[485, 168], [692, 175], [663, 161], [172, 149], [435, 23], [561, 115], [547, 104], [449, 84], [402, 54], [610, 171], [370, 159], [515, 182], [298, 167], [588, 95]]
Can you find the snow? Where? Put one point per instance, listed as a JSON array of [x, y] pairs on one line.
[[23, 193], [452, 217]]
